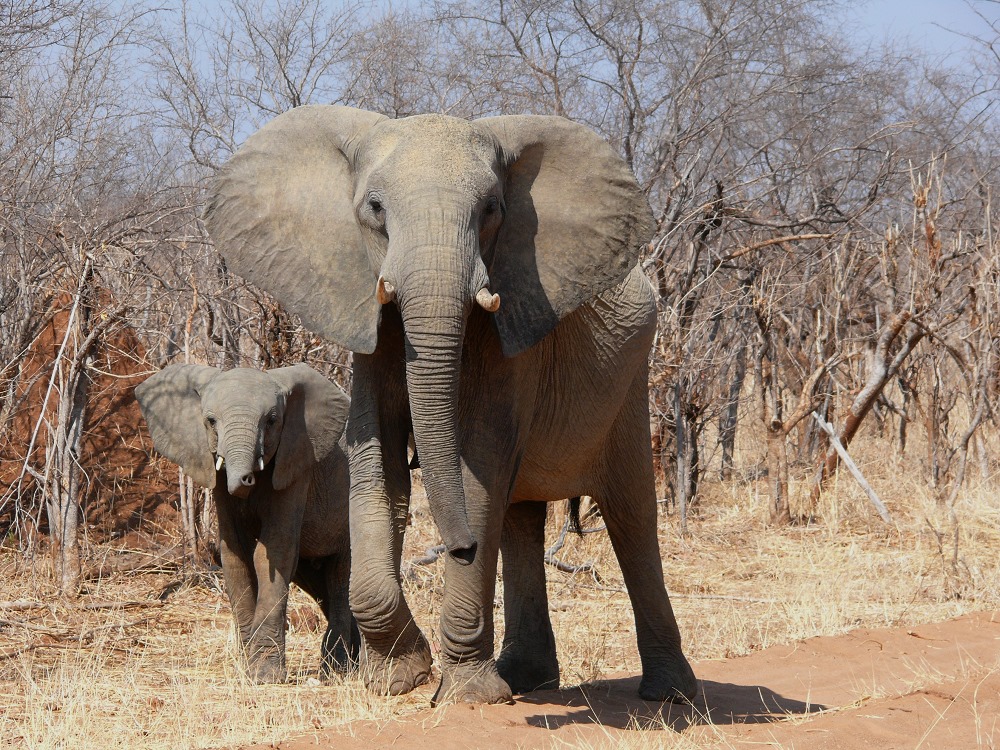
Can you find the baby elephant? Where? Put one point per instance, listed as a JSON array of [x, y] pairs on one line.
[[270, 445]]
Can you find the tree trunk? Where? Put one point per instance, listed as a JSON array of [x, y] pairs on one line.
[[63, 497], [682, 481], [207, 530], [883, 367], [777, 477], [730, 413], [189, 529]]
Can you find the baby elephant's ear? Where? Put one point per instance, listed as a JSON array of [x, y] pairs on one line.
[[315, 416], [170, 401]]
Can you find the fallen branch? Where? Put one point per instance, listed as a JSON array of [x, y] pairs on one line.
[[22, 605], [708, 597], [432, 554], [166, 560], [69, 639], [551, 559], [120, 605], [883, 368], [853, 467], [18, 650]]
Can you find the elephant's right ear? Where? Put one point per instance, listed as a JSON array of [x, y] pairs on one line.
[[281, 213], [170, 401]]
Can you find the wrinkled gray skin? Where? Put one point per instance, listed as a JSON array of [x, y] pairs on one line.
[[271, 447], [392, 237]]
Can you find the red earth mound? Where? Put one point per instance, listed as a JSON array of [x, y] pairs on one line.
[[126, 486]]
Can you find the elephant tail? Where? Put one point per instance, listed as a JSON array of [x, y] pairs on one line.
[[574, 516]]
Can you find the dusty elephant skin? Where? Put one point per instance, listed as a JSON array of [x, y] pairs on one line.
[[484, 273], [271, 447]]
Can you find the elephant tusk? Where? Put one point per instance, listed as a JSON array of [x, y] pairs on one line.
[[489, 302], [218, 463], [385, 291], [260, 464]]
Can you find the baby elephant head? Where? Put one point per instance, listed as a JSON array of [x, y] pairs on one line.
[[239, 421]]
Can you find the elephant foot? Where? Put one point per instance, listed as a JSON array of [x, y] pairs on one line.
[[400, 672], [668, 679], [340, 653], [525, 672], [266, 670], [338, 659], [472, 683]]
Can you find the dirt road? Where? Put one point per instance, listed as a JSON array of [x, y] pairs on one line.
[[932, 686]]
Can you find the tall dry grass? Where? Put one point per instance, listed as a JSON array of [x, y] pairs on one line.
[[161, 670]]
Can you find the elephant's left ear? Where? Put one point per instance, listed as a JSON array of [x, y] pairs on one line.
[[575, 223], [315, 415]]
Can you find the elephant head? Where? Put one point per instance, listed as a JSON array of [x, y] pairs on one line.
[[338, 211], [206, 419]]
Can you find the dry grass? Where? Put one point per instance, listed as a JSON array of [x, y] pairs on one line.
[[165, 673]]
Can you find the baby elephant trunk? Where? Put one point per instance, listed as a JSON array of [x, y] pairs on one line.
[[239, 485], [241, 460]]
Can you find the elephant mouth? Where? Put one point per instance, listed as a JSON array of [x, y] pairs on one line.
[[240, 484], [241, 491]]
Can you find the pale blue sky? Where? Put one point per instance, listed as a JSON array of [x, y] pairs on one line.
[[927, 23]]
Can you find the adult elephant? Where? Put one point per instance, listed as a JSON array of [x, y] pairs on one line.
[[484, 273]]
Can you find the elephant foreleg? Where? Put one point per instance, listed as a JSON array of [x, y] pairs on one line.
[[236, 551], [396, 657], [528, 657], [275, 559], [468, 669]]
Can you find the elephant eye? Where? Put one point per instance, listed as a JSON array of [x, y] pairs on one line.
[[271, 420], [375, 205], [492, 205], [210, 421]]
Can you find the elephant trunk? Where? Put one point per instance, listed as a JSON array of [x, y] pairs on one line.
[[435, 304], [239, 446]]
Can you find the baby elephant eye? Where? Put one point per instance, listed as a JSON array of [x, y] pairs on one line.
[[492, 205], [271, 420]]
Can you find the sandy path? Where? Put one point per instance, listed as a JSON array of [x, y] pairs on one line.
[[932, 686]]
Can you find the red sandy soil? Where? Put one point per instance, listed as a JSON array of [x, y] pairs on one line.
[[930, 686]]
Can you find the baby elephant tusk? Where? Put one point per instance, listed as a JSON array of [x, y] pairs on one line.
[[489, 302], [218, 463], [260, 464], [385, 291]]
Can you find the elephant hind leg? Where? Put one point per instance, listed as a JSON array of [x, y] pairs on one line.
[[326, 581], [528, 657], [626, 497], [342, 641]]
